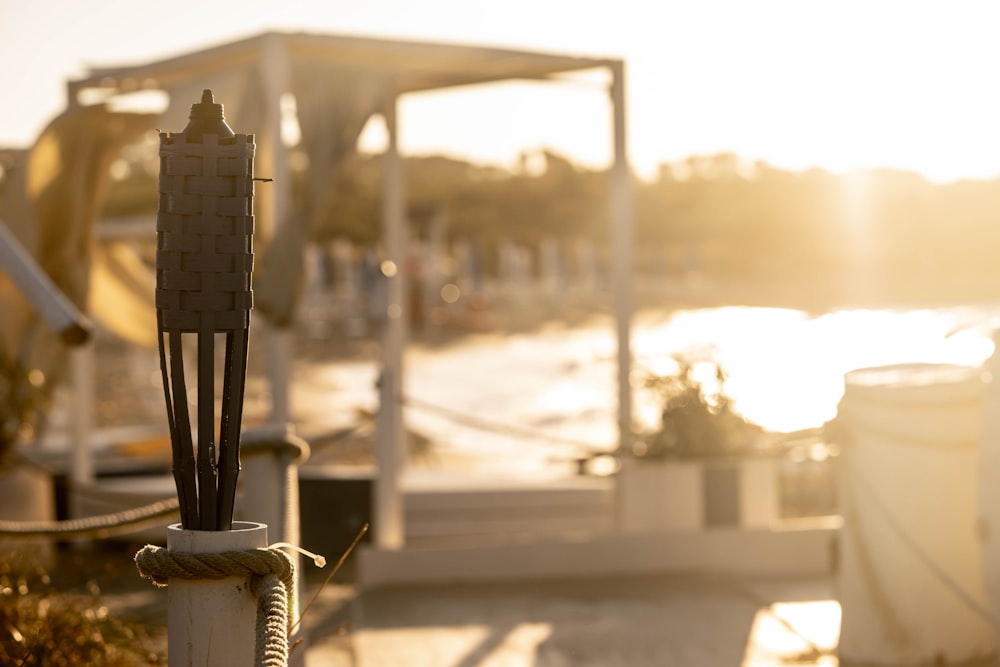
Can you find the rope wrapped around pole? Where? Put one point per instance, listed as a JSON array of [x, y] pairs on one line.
[[272, 573]]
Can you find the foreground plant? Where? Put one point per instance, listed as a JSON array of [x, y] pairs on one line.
[[697, 418], [21, 404], [42, 627]]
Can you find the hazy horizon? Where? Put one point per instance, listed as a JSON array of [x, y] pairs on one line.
[[838, 86]]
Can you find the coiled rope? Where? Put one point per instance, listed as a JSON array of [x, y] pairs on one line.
[[272, 576]]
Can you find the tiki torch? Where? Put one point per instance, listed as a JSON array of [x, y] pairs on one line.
[[204, 229]]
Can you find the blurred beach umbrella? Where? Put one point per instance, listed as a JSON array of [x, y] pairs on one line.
[[121, 293], [332, 107]]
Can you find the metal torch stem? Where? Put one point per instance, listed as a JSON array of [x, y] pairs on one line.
[[180, 429], [229, 431], [206, 430]]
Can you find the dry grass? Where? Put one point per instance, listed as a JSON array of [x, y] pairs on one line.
[[62, 619]]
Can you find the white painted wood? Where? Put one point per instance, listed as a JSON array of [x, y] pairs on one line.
[[759, 501], [622, 237], [212, 622], [390, 430], [82, 411], [661, 496], [279, 343], [272, 207], [620, 215], [269, 494]]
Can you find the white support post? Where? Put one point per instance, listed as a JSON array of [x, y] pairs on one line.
[[270, 495], [622, 245], [212, 622], [279, 343], [273, 208], [622, 238], [391, 432], [82, 412]]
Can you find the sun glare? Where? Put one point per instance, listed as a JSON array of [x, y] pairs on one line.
[[857, 220], [454, 644], [785, 368], [374, 136], [794, 633], [503, 121]]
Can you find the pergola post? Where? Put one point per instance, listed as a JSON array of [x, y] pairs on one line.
[[622, 240], [391, 432], [274, 66], [83, 378]]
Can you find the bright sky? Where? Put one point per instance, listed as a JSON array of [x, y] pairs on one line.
[[832, 83]]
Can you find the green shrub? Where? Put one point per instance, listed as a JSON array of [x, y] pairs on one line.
[[695, 421]]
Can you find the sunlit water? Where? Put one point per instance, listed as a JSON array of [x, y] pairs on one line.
[[531, 398]]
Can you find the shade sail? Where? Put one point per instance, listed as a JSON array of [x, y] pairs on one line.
[[409, 66]]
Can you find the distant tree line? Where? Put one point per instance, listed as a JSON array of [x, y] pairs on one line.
[[881, 232]]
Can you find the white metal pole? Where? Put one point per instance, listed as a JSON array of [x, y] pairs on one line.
[[391, 436], [622, 245], [82, 412], [280, 343], [54, 307], [212, 622], [270, 495], [622, 237], [274, 164]]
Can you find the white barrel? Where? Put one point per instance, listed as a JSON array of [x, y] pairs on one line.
[[989, 481], [212, 622], [911, 578]]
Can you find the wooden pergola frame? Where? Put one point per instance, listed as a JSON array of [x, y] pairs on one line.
[[398, 68]]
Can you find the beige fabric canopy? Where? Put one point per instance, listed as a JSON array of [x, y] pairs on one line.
[[403, 66]]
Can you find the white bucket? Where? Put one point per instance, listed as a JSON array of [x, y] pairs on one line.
[[989, 482], [911, 576], [26, 494]]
